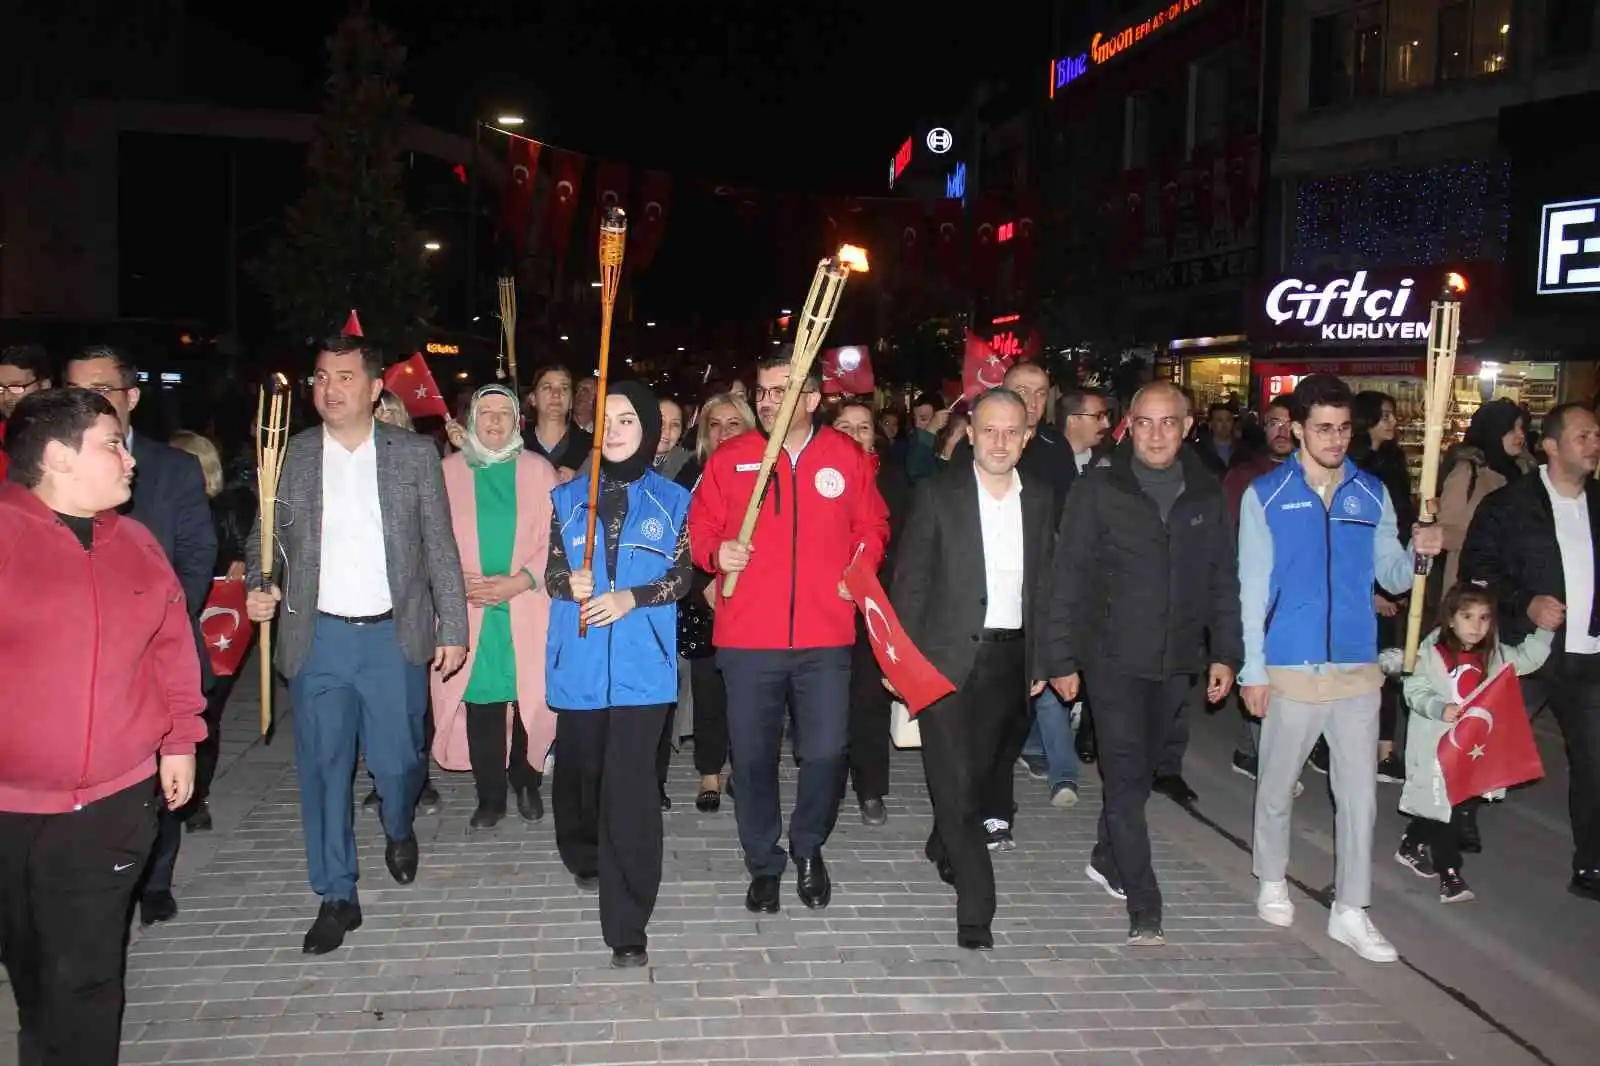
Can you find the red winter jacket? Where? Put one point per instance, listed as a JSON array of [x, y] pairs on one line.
[[98, 666], [818, 513]]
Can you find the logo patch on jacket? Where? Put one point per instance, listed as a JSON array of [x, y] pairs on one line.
[[1296, 505], [746, 468], [652, 528], [1352, 506], [830, 483]]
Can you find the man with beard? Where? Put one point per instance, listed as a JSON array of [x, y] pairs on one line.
[[1314, 534], [784, 638]]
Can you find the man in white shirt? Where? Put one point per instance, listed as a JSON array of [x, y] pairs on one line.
[[1534, 544], [367, 572], [973, 552]]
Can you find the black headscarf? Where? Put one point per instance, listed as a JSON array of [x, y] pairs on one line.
[[648, 408], [1486, 432]]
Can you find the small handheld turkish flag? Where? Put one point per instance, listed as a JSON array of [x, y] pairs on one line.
[[352, 325], [1491, 745], [847, 371], [917, 681], [225, 627], [412, 381], [982, 368]]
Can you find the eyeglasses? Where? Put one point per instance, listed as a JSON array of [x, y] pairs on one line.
[[1098, 416], [19, 390], [776, 392], [1329, 431], [1278, 423], [105, 390]]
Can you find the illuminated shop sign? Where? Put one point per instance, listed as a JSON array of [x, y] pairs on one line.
[[1569, 247], [901, 160], [439, 348], [1103, 47], [955, 183], [1362, 307]]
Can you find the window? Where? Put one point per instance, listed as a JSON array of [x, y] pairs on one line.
[[1211, 86], [1347, 55], [1491, 36], [1411, 42], [1136, 132], [1367, 61], [1455, 47]]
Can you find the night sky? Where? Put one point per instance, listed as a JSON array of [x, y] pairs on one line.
[[808, 98]]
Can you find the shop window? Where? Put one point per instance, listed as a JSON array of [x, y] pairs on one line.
[[1455, 47], [1212, 85], [1491, 36], [1411, 43], [1137, 113], [1347, 55], [1569, 27]]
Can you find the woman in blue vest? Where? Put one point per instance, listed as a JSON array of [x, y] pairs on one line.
[[613, 688]]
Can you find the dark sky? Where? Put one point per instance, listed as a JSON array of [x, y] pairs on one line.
[[811, 97]]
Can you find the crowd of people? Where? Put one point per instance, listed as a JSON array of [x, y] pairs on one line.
[[478, 602]]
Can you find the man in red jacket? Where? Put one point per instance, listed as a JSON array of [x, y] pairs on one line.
[[99, 710], [784, 638]]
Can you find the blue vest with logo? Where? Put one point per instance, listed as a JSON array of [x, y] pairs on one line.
[[632, 662], [1319, 608]]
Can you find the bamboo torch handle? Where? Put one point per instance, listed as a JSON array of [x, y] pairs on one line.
[[265, 651], [613, 244], [1443, 335], [769, 459]]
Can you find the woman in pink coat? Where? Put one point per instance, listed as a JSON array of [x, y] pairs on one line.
[[500, 508]]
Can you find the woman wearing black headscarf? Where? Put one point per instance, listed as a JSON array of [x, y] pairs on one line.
[[613, 687], [1489, 457]]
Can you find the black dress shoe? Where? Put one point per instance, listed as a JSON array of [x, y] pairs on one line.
[[371, 802], [336, 918], [813, 884], [530, 805], [708, 800], [666, 800], [157, 907], [1585, 884], [628, 958], [401, 858], [873, 812], [762, 898], [428, 801], [199, 820], [1175, 788], [975, 940], [485, 817], [587, 882]]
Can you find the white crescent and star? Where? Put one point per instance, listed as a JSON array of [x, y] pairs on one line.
[[1468, 715], [563, 190], [422, 392], [519, 174], [869, 607], [987, 363], [222, 642]]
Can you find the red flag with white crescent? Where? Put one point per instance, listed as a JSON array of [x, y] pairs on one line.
[[566, 181], [649, 224], [516, 207], [982, 368], [1491, 745], [918, 682], [847, 371], [412, 381], [225, 627]]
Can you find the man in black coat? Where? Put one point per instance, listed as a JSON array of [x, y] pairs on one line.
[[1145, 571], [972, 555], [169, 499]]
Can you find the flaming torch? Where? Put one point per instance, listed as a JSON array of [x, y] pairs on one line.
[[613, 242], [272, 434], [815, 317], [1444, 334]]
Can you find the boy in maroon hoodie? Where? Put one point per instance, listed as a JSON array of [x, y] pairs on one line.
[[99, 717]]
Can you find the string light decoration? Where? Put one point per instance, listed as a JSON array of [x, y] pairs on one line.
[[1446, 213]]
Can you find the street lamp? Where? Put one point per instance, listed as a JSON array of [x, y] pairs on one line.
[[431, 246], [510, 120]]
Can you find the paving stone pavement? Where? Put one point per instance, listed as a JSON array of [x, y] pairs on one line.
[[493, 957]]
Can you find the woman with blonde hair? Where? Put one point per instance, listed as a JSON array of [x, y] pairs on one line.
[[392, 409]]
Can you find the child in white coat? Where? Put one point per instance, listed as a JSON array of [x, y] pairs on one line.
[[1452, 662]]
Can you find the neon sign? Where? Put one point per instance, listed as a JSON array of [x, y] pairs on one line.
[[1004, 232], [1007, 345], [1104, 47], [436, 348], [1000, 320], [902, 159], [955, 183]]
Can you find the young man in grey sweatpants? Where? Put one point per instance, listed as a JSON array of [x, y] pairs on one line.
[[1314, 535]]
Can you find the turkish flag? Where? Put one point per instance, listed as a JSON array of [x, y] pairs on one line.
[[1121, 431], [982, 368], [225, 627], [847, 371], [912, 675], [1491, 745], [412, 381], [655, 196], [566, 178], [516, 208]]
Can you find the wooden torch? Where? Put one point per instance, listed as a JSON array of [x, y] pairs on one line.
[[272, 434], [508, 329], [1444, 334], [816, 315], [613, 242]]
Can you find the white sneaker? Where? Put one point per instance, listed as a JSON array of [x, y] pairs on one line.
[[1273, 904], [1352, 927]]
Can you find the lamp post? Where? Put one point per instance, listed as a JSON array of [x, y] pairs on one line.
[[478, 126]]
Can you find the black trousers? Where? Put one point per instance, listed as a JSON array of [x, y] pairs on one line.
[[869, 721], [1170, 761], [710, 716], [966, 741], [664, 745], [1575, 699], [66, 882], [607, 808], [1443, 838], [1134, 719], [208, 750], [493, 767]]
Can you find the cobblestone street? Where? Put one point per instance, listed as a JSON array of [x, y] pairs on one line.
[[494, 957]]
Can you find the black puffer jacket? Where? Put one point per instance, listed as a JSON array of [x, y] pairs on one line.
[[1136, 596]]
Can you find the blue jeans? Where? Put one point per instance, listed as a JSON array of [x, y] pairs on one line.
[[1051, 739]]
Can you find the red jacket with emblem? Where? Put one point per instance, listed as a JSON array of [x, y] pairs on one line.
[[820, 510], [97, 657]]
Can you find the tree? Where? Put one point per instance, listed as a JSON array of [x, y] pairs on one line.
[[349, 242]]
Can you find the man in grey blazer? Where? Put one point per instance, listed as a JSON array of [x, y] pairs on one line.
[[369, 580]]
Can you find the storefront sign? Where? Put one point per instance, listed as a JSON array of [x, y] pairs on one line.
[[1569, 248], [901, 160], [1194, 273], [439, 348], [955, 183], [1104, 47], [1359, 307]]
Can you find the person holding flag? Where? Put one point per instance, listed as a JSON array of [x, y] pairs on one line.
[[1453, 663], [971, 561]]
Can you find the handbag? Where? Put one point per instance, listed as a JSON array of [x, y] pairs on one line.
[[695, 619], [904, 732]]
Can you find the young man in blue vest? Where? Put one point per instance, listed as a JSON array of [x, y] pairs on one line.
[[1314, 535]]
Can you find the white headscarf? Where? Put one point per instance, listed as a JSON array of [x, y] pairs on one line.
[[477, 453]]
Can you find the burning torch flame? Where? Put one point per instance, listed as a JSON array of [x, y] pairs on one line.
[[1455, 284], [852, 258]]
